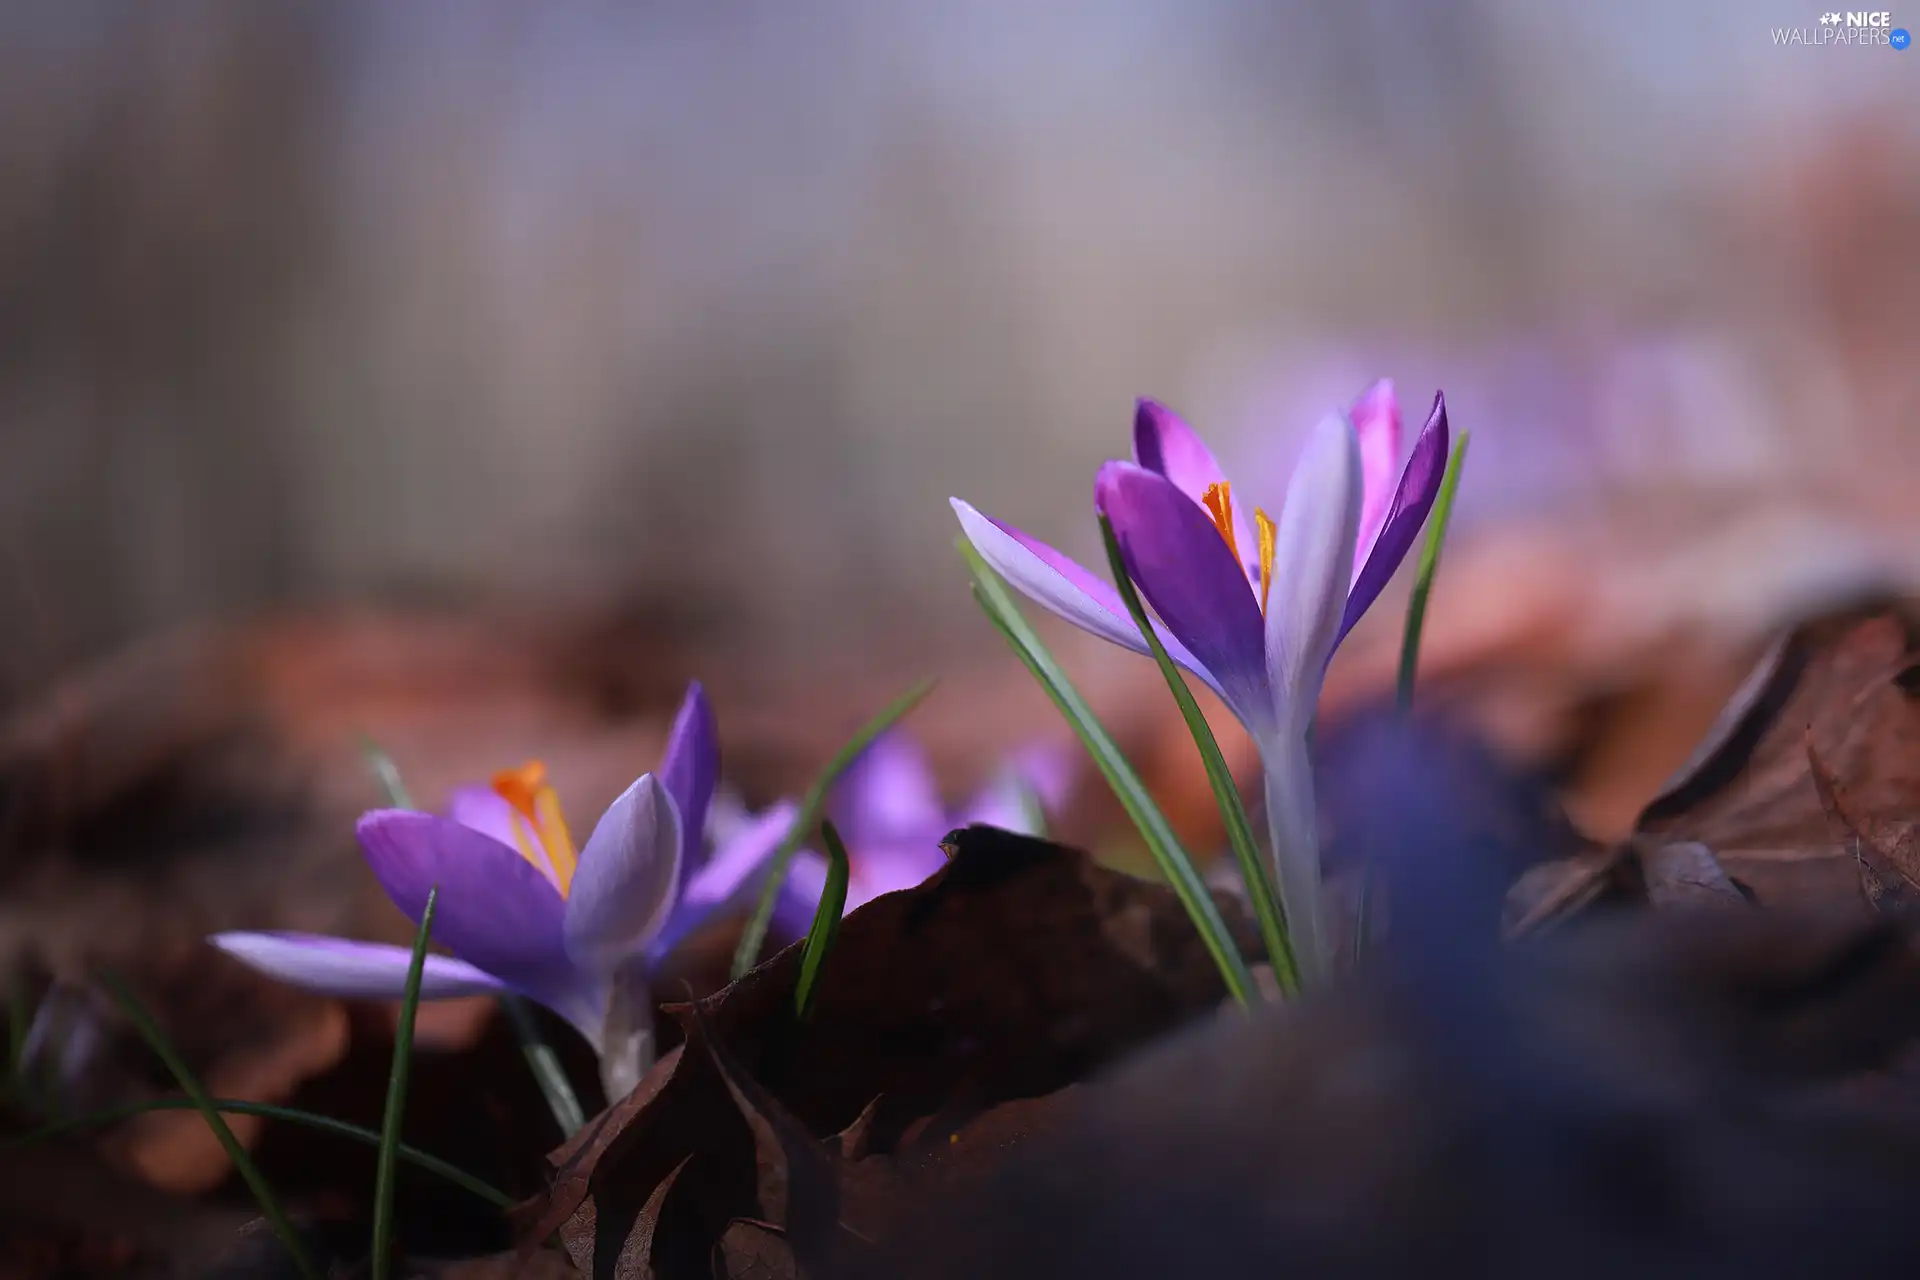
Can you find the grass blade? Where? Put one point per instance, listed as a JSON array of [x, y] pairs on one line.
[[1226, 792], [190, 1085], [387, 1162], [1172, 859], [812, 805], [1429, 564], [544, 1062], [238, 1107], [1437, 522], [387, 772], [826, 922]]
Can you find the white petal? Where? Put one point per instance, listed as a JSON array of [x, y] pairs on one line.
[[352, 970], [1065, 589], [628, 878], [1312, 568]]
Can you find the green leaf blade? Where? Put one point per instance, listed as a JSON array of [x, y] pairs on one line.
[[387, 1162], [812, 805], [1173, 860], [826, 922]]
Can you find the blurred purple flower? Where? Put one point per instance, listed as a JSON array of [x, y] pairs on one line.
[[888, 810], [1254, 610], [521, 911]]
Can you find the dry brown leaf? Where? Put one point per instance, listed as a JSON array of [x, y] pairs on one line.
[[1684, 874], [1554, 890], [1887, 852], [1843, 686], [752, 1250], [827, 1208], [1014, 972], [1753, 816]]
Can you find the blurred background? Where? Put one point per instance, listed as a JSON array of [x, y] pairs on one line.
[[665, 331], [471, 375]]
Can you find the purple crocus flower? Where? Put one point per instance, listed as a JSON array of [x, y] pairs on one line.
[[1255, 608], [888, 811], [522, 911]]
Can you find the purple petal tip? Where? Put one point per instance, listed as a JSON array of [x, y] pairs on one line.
[[1151, 422], [1107, 481], [375, 821]]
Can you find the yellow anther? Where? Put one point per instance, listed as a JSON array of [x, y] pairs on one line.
[[1264, 524], [545, 840], [1219, 504]]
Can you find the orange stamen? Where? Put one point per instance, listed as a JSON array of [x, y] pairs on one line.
[[1263, 523], [545, 842], [1219, 504]]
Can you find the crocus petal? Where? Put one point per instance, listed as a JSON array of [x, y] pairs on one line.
[[1181, 563], [1412, 503], [1063, 588], [729, 875], [352, 970], [1376, 420], [1312, 564], [888, 792], [629, 877], [483, 809], [690, 769], [1163, 442], [494, 909]]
